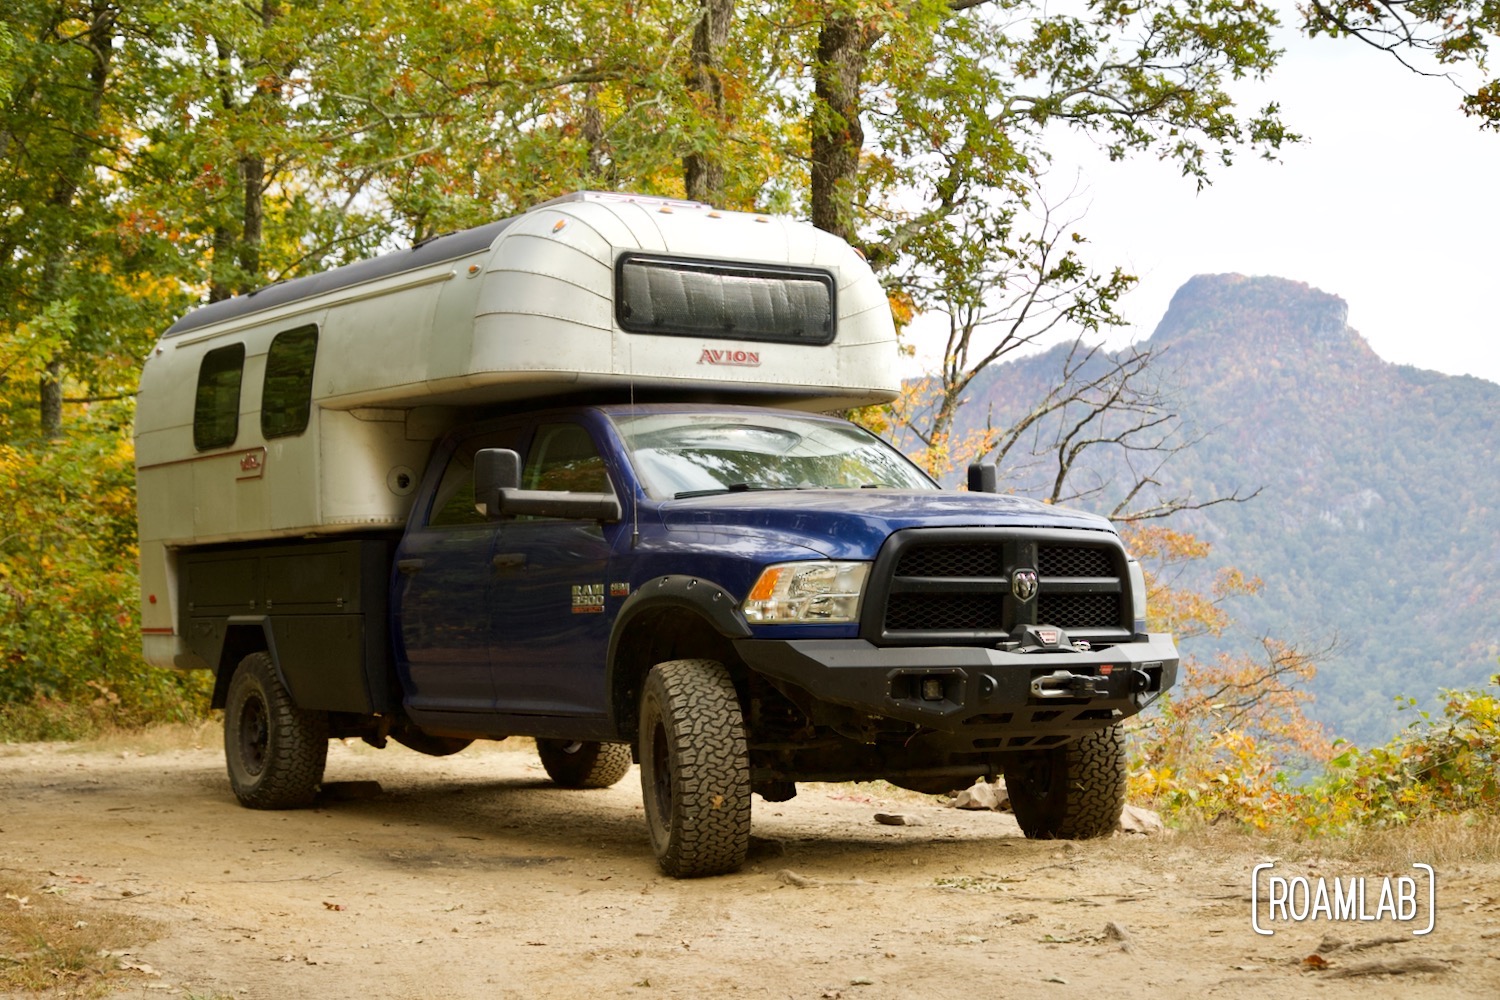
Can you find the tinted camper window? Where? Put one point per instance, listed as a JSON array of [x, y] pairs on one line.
[[702, 298], [216, 408], [286, 398]]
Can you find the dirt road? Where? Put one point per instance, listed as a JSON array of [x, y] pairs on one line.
[[470, 876]]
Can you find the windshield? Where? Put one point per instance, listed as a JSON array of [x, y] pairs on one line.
[[695, 454]]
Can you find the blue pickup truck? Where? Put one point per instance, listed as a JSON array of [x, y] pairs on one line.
[[735, 597]]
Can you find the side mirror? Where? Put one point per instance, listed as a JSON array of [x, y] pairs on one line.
[[495, 469], [557, 503], [497, 491], [984, 478]]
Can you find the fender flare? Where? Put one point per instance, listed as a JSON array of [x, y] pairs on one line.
[[705, 598], [224, 671]]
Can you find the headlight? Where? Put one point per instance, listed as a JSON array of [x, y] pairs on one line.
[[789, 593], [1138, 594]]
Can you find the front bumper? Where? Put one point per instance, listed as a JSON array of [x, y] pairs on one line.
[[984, 698]]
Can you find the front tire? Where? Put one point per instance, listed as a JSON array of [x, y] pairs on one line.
[[695, 769], [274, 750], [1071, 792], [575, 764]]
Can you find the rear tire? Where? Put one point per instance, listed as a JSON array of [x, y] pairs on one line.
[[274, 750], [695, 768], [1071, 792], [575, 764]]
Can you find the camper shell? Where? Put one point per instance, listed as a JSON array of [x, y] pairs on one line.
[[589, 296]]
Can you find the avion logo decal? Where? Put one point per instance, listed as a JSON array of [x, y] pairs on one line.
[[737, 359]]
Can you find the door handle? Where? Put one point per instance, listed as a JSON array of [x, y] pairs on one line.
[[509, 561], [409, 566]]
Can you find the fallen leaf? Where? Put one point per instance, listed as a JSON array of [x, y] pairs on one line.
[[1315, 962], [332, 906]]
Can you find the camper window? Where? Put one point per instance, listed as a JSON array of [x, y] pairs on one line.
[[707, 298], [286, 396], [216, 408]]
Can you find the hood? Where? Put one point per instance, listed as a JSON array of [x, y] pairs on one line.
[[853, 524]]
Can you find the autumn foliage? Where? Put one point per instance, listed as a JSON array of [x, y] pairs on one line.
[[70, 662], [1233, 740]]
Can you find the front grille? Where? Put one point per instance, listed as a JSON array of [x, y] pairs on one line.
[[950, 560], [947, 612], [954, 586], [1072, 611], [1058, 560]]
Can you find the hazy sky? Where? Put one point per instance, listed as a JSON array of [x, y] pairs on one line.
[[1392, 204]]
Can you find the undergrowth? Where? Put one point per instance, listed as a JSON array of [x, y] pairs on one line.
[[1439, 777], [51, 944]]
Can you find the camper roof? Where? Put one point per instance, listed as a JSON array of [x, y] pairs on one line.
[[433, 250]]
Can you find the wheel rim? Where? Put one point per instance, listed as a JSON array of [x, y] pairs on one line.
[[661, 775], [1036, 777], [255, 735]]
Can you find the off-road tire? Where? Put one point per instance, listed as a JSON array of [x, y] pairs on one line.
[[695, 768], [275, 751], [575, 764], [1071, 792]]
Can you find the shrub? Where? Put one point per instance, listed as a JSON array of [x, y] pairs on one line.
[[70, 661]]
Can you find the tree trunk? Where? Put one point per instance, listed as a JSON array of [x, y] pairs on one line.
[[99, 42], [601, 169], [252, 170], [703, 172], [837, 136]]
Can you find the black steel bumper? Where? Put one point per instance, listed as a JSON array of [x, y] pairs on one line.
[[989, 699]]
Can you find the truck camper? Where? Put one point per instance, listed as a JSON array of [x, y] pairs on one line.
[[566, 476]]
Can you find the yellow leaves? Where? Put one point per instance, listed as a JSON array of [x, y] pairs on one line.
[[903, 309], [875, 419], [1156, 543]]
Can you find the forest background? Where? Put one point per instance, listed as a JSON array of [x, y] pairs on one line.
[[159, 154]]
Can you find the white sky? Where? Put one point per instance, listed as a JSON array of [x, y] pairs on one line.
[[1392, 203]]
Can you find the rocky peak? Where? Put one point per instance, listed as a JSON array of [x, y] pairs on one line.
[[1263, 314]]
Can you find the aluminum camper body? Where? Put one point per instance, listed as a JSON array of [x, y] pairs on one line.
[[310, 407]]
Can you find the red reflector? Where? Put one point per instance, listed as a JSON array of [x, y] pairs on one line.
[[1107, 669]]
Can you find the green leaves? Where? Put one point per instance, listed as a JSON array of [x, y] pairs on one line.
[[1449, 38], [69, 626]]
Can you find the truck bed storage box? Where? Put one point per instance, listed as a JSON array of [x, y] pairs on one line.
[[323, 603]]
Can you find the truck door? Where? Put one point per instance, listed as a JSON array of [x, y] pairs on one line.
[[551, 606], [441, 601]]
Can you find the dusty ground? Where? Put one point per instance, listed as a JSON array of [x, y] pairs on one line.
[[471, 876]]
